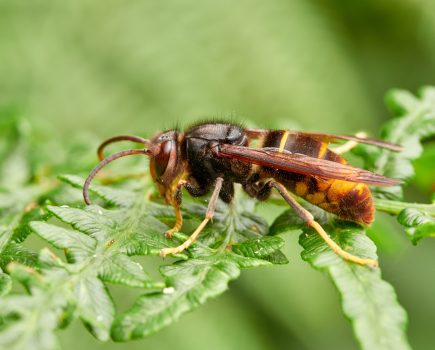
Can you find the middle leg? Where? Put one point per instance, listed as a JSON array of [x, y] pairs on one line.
[[208, 216]]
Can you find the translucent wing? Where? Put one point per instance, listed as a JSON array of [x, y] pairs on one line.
[[331, 138], [303, 164]]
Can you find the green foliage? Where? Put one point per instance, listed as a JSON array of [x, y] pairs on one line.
[[5, 283], [414, 122], [379, 322], [206, 274], [97, 250], [369, 302], [425, 168], [19, 191], [95, 246], [418, 223]]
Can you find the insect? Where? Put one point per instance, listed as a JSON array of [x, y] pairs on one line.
[[213, 156]]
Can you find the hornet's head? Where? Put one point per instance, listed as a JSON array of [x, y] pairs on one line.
[[164, 153], [166, 166]]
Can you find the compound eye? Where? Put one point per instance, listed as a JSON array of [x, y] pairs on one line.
[[162, 158]]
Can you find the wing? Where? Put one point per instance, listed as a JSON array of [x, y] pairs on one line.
[[302, 164], [331, 138]]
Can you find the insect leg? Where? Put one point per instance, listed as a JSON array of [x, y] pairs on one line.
[[176, 203], [346, 147], [196, 190], [259, 190], [208, 216], [309, 219]]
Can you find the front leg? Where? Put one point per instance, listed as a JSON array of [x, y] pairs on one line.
[[208, 216], [194, 191], [176, 203]]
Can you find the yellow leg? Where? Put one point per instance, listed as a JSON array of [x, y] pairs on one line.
[[187, 243], [178, 221], [208, 216], [338, 250], [176, 203], [346, 147], [309, 219]]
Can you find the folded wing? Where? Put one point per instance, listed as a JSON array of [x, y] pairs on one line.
[[332, 138], [303, 164]]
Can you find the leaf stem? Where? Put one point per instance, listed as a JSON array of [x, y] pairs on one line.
[[395, 207]]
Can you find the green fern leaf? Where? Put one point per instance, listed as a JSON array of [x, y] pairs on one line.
[[5, 283], [418, 223], [191, 282], [29, 321], [370, 303], [414, 121], [98, 247], [18, 195]]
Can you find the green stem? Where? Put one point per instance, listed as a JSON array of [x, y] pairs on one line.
[[394, 207]]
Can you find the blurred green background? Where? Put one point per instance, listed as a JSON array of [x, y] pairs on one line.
[[116, 67]]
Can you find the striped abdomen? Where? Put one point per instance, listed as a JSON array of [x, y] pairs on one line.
[[348, 200]]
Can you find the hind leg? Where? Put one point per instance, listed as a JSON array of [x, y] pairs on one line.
[[309, 220], [346, 147]]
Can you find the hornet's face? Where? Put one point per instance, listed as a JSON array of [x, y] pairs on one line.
[[165, 165]]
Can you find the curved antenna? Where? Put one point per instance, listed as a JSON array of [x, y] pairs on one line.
[[103, 163], [120, 138]]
